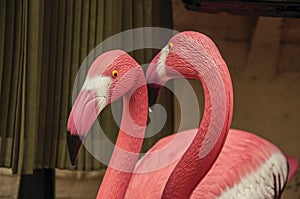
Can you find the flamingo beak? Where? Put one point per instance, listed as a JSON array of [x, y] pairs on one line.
[[154, 87], [83, 114], [87, 106], [156, 75]]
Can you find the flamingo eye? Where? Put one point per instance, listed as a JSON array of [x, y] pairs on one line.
[[114, 73], [170, 46]]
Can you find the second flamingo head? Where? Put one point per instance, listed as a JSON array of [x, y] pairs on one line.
[[181, 58]]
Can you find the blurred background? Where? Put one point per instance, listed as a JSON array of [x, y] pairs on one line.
[[43, 43]]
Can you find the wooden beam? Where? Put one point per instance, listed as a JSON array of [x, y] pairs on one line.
[[271, 8]]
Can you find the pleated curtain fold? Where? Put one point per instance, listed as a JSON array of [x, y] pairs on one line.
[[42, 45]]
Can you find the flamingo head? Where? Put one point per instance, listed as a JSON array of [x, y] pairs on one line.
[[177, 60], [111, 75]]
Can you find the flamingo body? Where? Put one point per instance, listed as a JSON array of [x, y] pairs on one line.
[[247, 167]]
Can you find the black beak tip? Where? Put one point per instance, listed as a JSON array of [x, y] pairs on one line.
[[74, 143], [153, 92]]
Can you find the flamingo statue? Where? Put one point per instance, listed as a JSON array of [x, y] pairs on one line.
[[220, 162], [112, 75], [192, 174]]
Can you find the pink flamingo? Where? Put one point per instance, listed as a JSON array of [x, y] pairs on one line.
[[108, 75], [247, 166], [112, 75]]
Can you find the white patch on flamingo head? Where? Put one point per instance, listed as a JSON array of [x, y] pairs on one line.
[[161, 67], [100, 85]]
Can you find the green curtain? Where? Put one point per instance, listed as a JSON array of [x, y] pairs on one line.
[[42, 44]]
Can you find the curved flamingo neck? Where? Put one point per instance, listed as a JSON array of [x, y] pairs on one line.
[[209, 140], [128, 145]]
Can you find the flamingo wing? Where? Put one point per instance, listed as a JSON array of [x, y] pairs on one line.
[[247, 167]]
